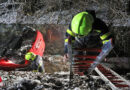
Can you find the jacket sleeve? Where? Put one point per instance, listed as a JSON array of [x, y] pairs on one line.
[[105, 35], [66, 42]]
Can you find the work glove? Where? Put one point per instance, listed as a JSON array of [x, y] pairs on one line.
[[66, 57]]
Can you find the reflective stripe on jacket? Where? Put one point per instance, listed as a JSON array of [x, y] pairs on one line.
[[103, 37]]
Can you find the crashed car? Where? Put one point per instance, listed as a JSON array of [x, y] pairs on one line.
[[12, 52]]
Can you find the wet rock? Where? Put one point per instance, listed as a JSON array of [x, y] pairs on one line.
[[61, 12], [25, 85], [51, 80], [57, 81]]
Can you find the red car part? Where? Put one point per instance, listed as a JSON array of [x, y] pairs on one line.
[[38, 48], [0, 80]]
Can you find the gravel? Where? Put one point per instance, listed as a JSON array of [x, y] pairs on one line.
[[27, 80]]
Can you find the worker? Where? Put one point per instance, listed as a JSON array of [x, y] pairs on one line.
[[86, 31], [36, 61]]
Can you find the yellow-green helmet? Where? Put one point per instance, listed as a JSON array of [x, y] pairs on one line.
[[30, 56], [81, 23]]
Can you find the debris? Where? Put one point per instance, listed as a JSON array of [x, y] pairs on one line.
[[1, 83]]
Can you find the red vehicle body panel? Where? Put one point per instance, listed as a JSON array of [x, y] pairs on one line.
[[38, 48], [0, 79]]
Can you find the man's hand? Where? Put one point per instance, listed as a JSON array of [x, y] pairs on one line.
[[66, 56]]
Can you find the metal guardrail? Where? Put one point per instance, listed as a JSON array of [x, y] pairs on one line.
[[81, 66], [114, 80]]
